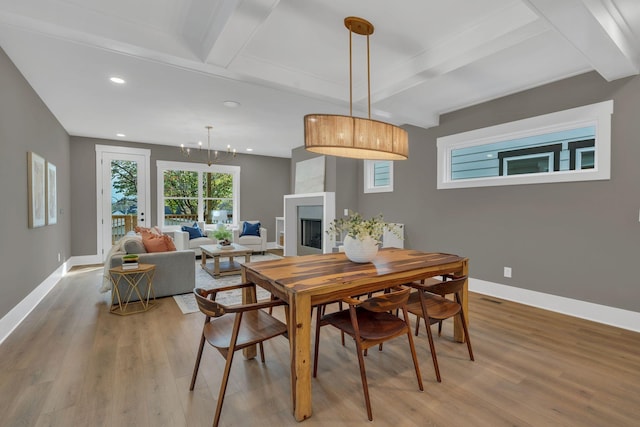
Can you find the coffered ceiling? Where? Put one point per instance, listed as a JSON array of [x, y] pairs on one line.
[[282, 59]]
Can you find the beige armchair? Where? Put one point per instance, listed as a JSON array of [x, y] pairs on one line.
[[255, 243]]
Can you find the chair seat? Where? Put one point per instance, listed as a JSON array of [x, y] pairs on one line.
[[373, 326], [439, 308], [256, 326]]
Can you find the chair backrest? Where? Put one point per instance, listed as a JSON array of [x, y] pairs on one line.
[[446, 287], [208, 307], [387, 302]]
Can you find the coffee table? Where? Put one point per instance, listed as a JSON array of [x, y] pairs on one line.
[[223, 268]]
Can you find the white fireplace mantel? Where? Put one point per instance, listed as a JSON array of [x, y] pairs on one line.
[[291, 202]]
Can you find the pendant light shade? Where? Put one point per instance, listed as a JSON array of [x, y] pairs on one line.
[[358, 138], [354, 137]]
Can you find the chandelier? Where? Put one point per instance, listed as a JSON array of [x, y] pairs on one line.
[[348, 136], [209, 160]]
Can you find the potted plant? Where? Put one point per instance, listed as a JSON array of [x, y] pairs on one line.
[[362, 236], [222, 235]]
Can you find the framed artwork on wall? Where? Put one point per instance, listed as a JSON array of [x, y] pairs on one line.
[[52, 205], [36, 181]]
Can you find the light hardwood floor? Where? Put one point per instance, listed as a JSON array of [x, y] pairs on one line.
[[71, 363]]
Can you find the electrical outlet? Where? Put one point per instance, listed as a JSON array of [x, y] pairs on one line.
[[507, 272], [58, 256], [346, 212]]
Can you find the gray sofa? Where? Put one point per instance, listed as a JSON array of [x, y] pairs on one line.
[[175, 271]]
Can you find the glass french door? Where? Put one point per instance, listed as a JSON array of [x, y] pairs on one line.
[[124, 195]]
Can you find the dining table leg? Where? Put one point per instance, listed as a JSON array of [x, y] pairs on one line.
[[248, 296], [458, 331], [300, 342]]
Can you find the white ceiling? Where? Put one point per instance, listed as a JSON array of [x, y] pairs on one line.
[[282, 59]]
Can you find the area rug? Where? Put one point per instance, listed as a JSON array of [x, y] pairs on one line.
[[187, 302]]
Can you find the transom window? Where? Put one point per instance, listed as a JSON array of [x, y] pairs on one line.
[[378, 176], [189, 192], [571, 145]]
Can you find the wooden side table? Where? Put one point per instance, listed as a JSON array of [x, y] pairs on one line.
[[133, 280]]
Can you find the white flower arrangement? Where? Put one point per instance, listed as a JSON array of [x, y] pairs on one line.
[[355, 226]]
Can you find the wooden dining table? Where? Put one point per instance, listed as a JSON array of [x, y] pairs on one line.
[[306, 281]]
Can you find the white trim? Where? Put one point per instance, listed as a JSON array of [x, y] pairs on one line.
[[598, 114], [291, 203], [17, 314], [584, 310], [163, 165], [369, 178], [101, 150], [617, 317]]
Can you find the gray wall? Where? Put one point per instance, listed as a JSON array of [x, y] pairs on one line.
[[263, 183], [568, 239], [29, 256]]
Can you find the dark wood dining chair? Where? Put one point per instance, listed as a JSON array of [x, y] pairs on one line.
[[371, 322], [430, 285], [429, 303], [232, 328]]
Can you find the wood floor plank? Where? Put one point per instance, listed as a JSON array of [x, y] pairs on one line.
[[71, 362]]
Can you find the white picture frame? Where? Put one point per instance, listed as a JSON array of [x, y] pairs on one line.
[[36, 183], [52, 194]]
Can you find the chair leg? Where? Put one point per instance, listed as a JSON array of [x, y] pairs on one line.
[[223, 387], [227, 368], [197, 365], [363, 376], [261, 352], [466, 334], [413, 351], [432, 347], [440, 328], [316, 352]]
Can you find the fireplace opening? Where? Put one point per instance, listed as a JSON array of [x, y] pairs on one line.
[[311, 233]]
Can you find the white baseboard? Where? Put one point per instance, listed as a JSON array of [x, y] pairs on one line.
[[585, 310], [13, 318]]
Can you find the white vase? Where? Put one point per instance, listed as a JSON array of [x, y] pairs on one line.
[[357, 250]]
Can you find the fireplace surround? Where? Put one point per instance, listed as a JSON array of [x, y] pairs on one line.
[[311, 207]]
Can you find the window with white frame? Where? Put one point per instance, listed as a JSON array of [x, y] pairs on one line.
[[378, 176], [189, 192], [570, 145]]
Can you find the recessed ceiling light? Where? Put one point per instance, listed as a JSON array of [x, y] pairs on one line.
[[117, 80], [231, 104], [249, 149], [121, 135]]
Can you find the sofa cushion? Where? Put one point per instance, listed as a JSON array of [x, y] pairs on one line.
[[155, 243], [249, 240], [199, 241], [250, 229], [134, 246], [194, 232]]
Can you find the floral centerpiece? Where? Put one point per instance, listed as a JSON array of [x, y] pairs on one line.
[[362, 236]]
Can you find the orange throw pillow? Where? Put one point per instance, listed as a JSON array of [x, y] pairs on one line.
[[154, 243]]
